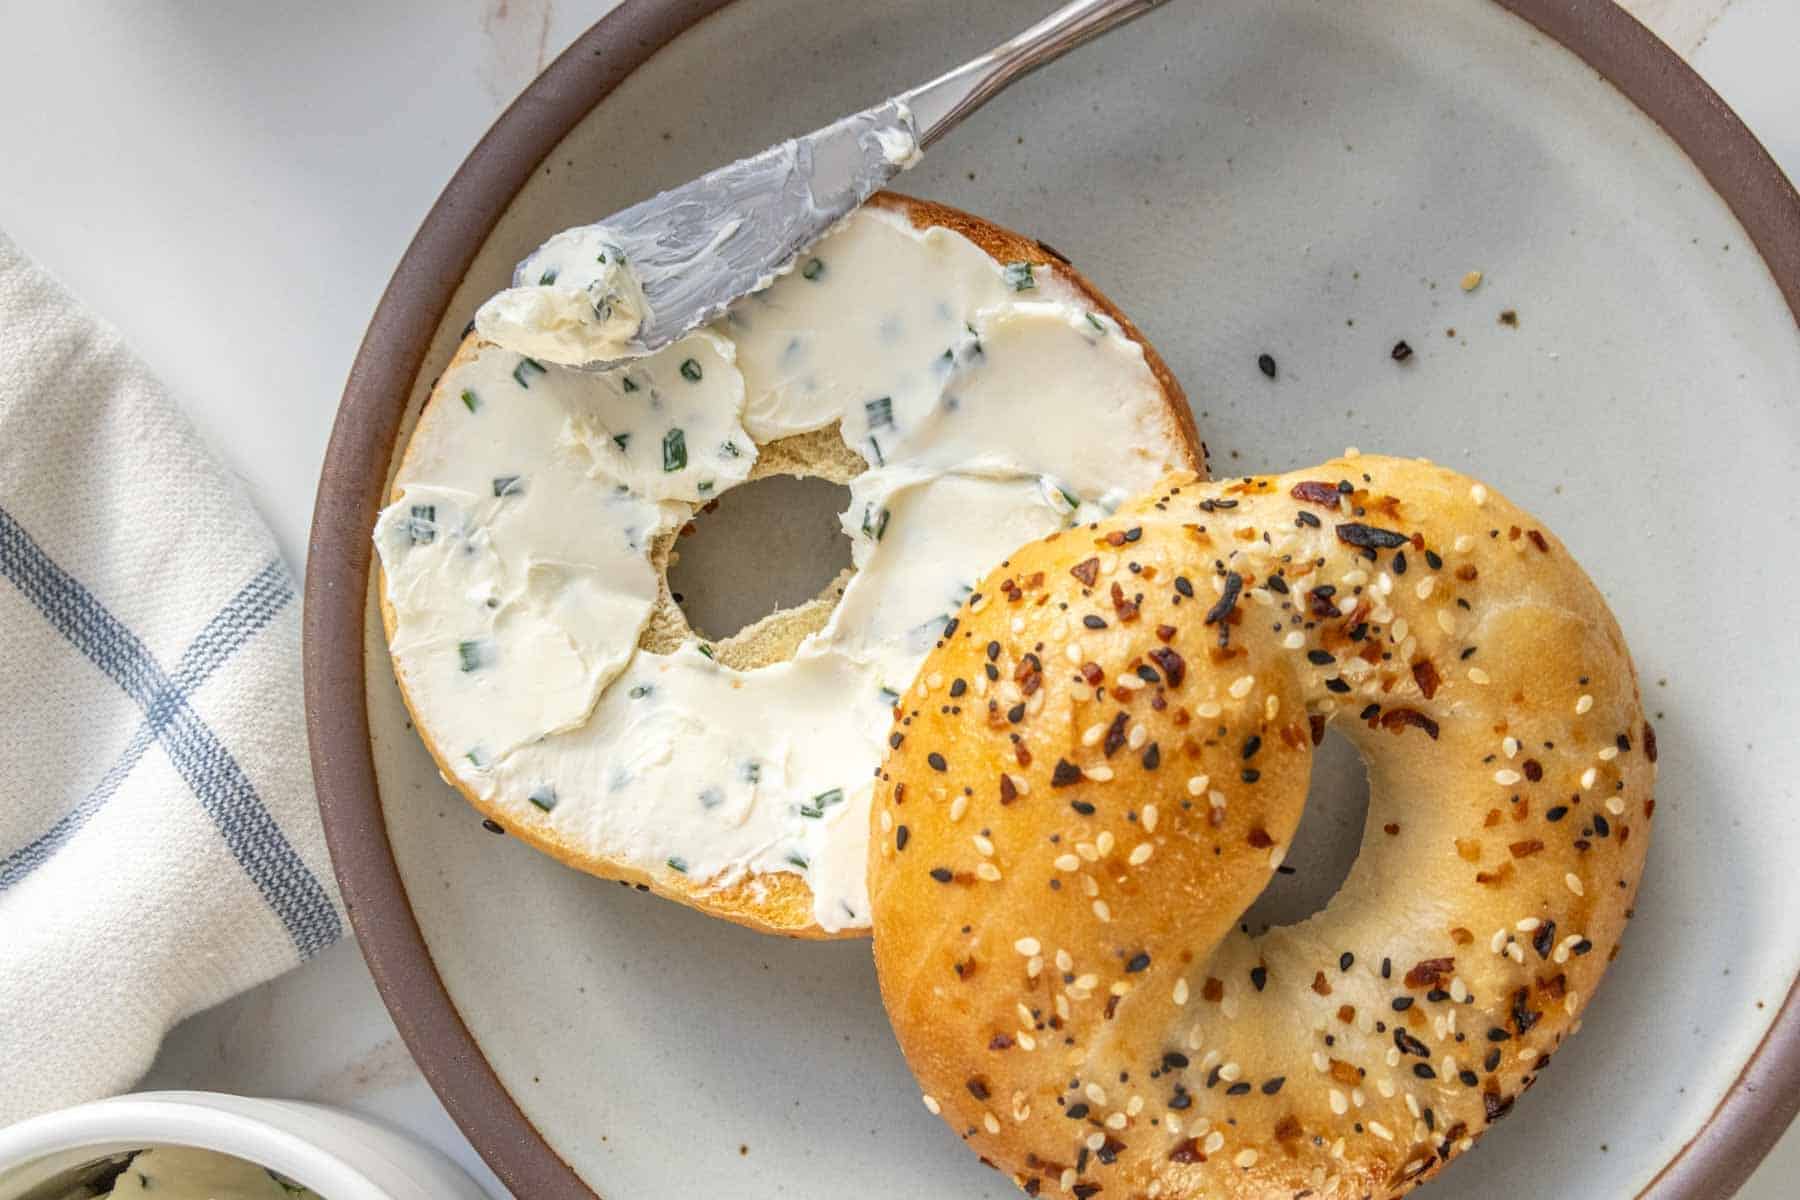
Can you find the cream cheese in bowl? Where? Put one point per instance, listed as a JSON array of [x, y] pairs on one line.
[[987, 403]]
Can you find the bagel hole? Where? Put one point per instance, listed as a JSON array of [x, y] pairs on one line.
[[763, 546], [1326, 844]]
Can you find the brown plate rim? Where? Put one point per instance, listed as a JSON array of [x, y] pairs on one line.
[[1714, 1163]]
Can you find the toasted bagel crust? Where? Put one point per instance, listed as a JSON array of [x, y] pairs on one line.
[[1060, 857]]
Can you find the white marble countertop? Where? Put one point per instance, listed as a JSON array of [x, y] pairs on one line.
[[254, 171]]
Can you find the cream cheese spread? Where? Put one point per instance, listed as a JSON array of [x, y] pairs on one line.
[[991, 406], [185, 1173], [576, 301]]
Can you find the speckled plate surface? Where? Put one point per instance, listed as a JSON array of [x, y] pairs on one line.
[[1302, 179]]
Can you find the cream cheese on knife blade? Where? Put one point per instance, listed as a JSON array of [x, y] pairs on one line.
[[991, 406]]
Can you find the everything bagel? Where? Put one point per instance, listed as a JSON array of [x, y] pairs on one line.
[[1104, 760]]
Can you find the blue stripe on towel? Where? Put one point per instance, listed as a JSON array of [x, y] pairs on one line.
[[205, 763]]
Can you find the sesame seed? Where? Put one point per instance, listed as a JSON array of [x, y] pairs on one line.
[[1027, 946], [1529, 925], [1478, 494], [987, 871], [1088, 851], [1294, 640], [1116, 1121], [1615, 806], [1609, 753], [1140, 854], [1506, 777], [1149, 818], [1340, 1103], [1197, 784], [1573, 882], [1464, 543], [1067, 862], [1065, 961], [1477, 675], [983, 846], [1445, 621], [1583, 704], [1510, 747], [1099, 774], [1181, 992], [1093, 733], [958, 807], [1104, 843], [1588, 777], [1139, 735], [1241, 687], [1425, 587], [1105, 913], [1246, 1158], [1208, 708], [931, 1105]]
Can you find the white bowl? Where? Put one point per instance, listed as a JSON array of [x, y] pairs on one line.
[[338, 1154]]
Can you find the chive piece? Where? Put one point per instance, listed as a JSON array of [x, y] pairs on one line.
[[880, 459], [477, 757], [1018, 277], [798, 861], [470, 400], [678, 864], [621, 440], [704, 486], [690, 370], [829, 797], [881, 524], [547, 278], [752, 772], [711, 798], [730, 450], [706, 649], [889, 696], [811, 810], [508, 485], [472, 654], [1095, 322], [639, 691], [527, 367], [880, 412], [625, 381], [1073, 499], [814, 268], [422, 526], [544, 796], [674, 450]]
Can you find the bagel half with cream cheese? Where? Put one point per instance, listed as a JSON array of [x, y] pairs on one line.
[[533, 656], [1057, 883]]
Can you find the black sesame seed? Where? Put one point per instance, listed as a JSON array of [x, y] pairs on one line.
[[1266, 364], [1320, 658], [1424, 1071], [1401, 352], [1251, 745], [1016, 713], [1259, 977], [941, 874], [1093, 622], [1139, 962], [1238, 1089], [1082, 807], [1076, 1112], [1271, 1086], [1251, 775], [901, 833], [1468, 1078], [958, 687], [1402, 1003], [1337, 685], [1345, 959], [937, 761]]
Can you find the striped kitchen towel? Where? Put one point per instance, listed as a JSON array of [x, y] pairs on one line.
[[159, 845]]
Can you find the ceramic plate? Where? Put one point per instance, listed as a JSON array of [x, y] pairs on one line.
[[1305, 180]]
